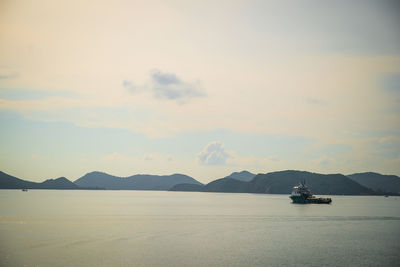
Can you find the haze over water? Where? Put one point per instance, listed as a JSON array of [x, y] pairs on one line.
[[154, 228]]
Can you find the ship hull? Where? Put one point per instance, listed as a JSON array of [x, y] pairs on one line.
[[310, 200]]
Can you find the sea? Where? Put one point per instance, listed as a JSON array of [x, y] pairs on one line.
[[160, 228]]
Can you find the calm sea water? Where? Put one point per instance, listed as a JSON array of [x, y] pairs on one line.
[[151, 228]]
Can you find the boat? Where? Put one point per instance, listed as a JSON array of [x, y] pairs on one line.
[[25, 190], [302, 195]]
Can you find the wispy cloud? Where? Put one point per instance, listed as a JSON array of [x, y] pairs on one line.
[[8, 75], [130, 86], [18, 94], [169, 86]]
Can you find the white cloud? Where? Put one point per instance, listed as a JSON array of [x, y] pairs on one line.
[[213, 154]]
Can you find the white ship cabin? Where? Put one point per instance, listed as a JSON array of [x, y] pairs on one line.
[[300, 190]]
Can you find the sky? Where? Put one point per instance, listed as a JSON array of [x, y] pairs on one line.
[[203, 88]]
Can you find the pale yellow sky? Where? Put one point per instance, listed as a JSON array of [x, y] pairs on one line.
[[320, 71]]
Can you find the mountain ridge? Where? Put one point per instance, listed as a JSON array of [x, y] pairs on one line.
[[134, 182], [280, 182]]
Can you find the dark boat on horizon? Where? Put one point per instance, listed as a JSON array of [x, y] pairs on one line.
[[302, 195]]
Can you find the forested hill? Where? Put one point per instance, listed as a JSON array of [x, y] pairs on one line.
[[377, 181]]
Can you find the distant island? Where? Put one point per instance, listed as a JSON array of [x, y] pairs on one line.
[[280, 182], [101, 181]]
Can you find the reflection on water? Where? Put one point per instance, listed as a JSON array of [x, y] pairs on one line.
[[125, 228]]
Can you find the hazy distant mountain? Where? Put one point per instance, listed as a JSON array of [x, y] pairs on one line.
[[135, 182], [282, 183], [227, 185], [242, 176], [273, 183], [11, 182], [378, 182], [59, 183]]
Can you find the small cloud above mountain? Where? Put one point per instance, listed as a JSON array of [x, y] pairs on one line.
[[213, 154]]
